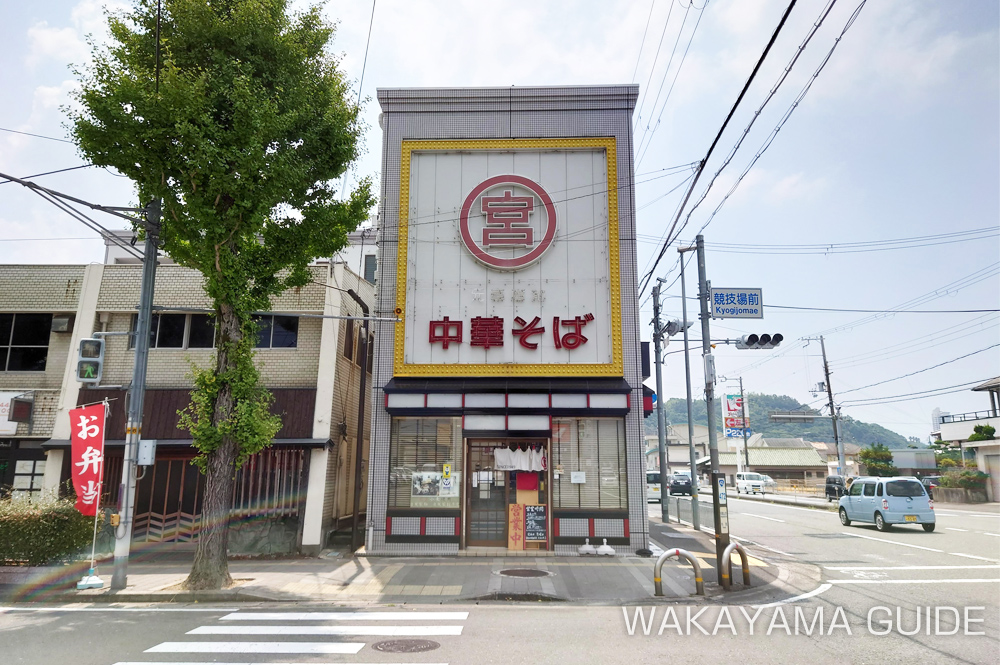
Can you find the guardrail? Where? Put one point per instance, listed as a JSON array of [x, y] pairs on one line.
[[725, 566], [699, 584]]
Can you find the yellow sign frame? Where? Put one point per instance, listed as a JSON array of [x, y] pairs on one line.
[[615, 367]]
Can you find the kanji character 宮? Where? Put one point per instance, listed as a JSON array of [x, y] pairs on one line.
[[486, 331], [527, 330], [574, 338], [445, 331], [507, 220]]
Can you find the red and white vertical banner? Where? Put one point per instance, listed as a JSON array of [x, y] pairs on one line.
[[87, 435]]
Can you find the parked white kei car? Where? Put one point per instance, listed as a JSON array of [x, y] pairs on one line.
[[887, 501], [748, 482]]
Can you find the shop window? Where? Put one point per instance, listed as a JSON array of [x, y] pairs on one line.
[[28, 476], [24, 342], [178, 331], [595, 448], [418, 450], [277, 331], [349, 339]]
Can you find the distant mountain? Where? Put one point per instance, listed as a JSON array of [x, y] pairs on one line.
[[760, 406]]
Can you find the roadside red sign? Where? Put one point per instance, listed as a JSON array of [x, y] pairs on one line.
[[87, 436]]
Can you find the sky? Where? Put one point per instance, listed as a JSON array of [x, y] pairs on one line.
[[895, 140]]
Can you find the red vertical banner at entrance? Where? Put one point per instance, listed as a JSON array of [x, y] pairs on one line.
[[87, 436]]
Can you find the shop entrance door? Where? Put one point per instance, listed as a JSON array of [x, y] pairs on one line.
[[489, 491]]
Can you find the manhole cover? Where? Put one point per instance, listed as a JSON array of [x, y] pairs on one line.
[[524, 572], [405, 646]]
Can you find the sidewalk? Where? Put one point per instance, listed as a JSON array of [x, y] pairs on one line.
[[359, 580]]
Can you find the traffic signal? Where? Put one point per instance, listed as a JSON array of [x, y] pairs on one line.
[[90, 362], [764, 341]]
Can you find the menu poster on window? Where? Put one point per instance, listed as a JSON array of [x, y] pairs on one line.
[[430, 489]]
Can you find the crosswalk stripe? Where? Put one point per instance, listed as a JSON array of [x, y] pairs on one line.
[[394, 631], [176, 662], [346, 616], [258, 647]]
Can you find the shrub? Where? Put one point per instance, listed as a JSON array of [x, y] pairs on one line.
[[969, 479], [39, 531]]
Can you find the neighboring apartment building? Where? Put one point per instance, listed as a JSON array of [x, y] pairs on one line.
[[288, 497], [956, 428]]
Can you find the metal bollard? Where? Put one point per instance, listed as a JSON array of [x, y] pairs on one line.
[[680, 554], [724, 573]]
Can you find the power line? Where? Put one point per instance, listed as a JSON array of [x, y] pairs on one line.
[[38, 175], [652, 68], [784, 119], [711, 149], [37, 136], [919, 371], [859, 402], [887, 311], [638, 56], [677, 72]]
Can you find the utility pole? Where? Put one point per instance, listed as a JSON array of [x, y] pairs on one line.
[[687, 376], [660, 418], [360, 426], [719, 498], [841, 465], [743, 409], [136, 397]]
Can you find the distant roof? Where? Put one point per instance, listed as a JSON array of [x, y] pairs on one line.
[[830, 448], [992, 384], [794, 458], [768, 442]]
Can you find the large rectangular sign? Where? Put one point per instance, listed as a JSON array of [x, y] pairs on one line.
[[508, 259], [737, 304]]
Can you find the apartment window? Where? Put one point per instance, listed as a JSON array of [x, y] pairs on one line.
[[277, 332], [370, 266], [349, 339], [178, 331], [24, 342]]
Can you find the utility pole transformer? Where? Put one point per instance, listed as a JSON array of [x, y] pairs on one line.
[[660, 418], [718, 479], [136, 397], [841, 464]]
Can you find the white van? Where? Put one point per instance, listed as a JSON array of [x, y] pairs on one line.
[[748, 482]]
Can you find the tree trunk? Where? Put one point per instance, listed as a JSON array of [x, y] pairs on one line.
[[211, 563]]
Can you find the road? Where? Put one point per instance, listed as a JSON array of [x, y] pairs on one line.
[[857, 571]]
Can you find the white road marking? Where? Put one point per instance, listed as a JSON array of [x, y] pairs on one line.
[[987, 533], [176, 662], [892, 542], [392, 631], [815, 592], [116, 609], [993, 567], [346, 616], [951, 581], [258, 647], [971, 556], [762, 517], [756, 544], [949, 528]]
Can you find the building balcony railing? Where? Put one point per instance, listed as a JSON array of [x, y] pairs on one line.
[[965, 417]]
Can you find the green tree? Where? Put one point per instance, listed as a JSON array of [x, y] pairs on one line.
[[250, 125], [982, 433], [878, 460]]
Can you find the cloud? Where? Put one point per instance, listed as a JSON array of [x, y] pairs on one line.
[[50, 43]]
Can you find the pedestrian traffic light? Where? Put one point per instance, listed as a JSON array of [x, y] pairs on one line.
[[90, 362], [764, 341]]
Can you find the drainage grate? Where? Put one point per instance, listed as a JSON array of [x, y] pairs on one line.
[[405, 646], [524, 572]]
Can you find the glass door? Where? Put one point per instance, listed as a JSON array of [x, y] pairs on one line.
[[486, 489]]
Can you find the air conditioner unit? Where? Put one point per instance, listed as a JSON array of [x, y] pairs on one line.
[[63, 323]]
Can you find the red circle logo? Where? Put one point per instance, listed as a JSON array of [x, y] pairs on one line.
[[506, 231]]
